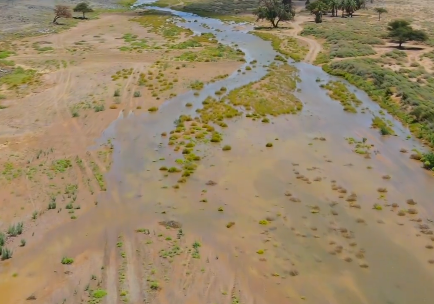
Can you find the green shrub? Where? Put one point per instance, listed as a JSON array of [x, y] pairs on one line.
[[99, 293], [16, 229], [99, 108], [117, 93], [6, 253], [137, 94], [67, 261], [428, 160], [2, 239], [416, 106]]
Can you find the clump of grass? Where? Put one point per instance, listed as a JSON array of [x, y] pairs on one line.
[[154, 285], [99, 293], [2, 239], [220, 209], [379, 123], [67, 261], [16, 229], [99, 108], [173, 170], [230, 224], [23, 242], [137, 94], [428, 160], [196, 85], [265, 120], [339, 91], [226, 148], [6, 253], [117, 93], [378, 207], [263, 222], [269, 145], [260, 251], [153, 109]]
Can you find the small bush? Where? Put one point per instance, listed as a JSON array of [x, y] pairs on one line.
[[269, 145], [16, 229], [99, 293], [153, 109], [117, 93], [428, 160], [35, 215], [6, 253], [23, 242], [2, 239], [226, 148], [188, 104], [137, 94], [67, 261], [154, 285], [99, 108]]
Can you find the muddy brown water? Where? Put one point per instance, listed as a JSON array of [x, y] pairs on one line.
[[318, 250]]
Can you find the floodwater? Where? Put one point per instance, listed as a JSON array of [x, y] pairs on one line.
[[321, 249]]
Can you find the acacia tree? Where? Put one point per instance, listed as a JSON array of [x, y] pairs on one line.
[[401, 31], [380, 10], [274, 11], [61, 11], [318, 8], [84, 8]]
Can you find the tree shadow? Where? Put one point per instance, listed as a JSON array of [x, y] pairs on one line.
[[402, 48], [270, 28]]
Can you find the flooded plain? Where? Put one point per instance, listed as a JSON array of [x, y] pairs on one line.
[[289, 214]]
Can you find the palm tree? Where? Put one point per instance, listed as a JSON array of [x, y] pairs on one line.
[[333, 6], [380, 10], [350, 7]]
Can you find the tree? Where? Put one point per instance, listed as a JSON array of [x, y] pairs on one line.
[[318, 8], [84, 8], [333, 5], [61, 11], [274, 11], [400, 31], [350, 7], [380, 10]]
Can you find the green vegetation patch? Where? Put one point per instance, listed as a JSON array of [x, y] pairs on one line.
[[3, 55], [288, 46], [272, 95], [410, 101], [18, 77], [212, 54], [162, 24], [379, 123], [346, 37], [339, 91]]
